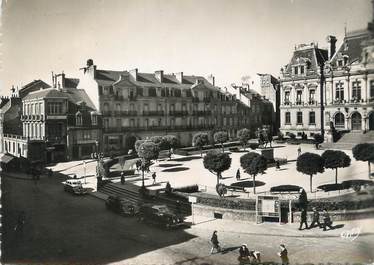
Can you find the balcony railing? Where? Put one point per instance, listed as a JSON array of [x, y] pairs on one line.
[[201, 112], [33, 117], [178, 113], [153, 113]]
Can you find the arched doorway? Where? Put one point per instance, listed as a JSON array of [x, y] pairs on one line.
[[356, 121], [339, 121], [371, 121]]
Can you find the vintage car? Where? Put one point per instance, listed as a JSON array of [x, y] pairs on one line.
[[159, 215], [118, 205], [74, 186]]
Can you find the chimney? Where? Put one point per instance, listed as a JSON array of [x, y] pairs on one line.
[[179, 77], [159, 75], [212, 80], [332, 45], [134, 73]]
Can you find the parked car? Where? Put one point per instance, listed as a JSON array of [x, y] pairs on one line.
[[159, 215], [118, 205], [74, 186]]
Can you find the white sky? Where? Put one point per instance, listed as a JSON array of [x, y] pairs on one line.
[[226, 38]]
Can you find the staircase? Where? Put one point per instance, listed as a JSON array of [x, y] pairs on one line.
[[349, 140], [130, 192]]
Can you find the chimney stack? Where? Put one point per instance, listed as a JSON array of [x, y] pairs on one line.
[[159, 75], [179, 77], [332, 45], [134, 73], [212, 79]]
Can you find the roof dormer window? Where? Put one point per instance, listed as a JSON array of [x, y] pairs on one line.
[[340, 63], [302, 69], [78, 118], [296, 70]]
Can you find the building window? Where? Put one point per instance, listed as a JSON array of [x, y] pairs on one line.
[[78, 118], [299, 117], [312, 94], [302, 69], [118, 123], [146, 123], [94, 119], [118, 107], [339, 91], [372, 89], [339, 120], [152, 92], [287, 97], [287, 118], [356, 90], [53, 108], [296, 70], [132, 123], [106, 123], [86, 135], [312, 117], [299, 94]]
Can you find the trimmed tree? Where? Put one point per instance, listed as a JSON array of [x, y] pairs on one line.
[[147, 151], [160, 141], [244, 135], [221, 138], [172, 141], [138, 143], [217, 162], [199, 140], [318, 139], [253, 164], [335, 159], [364, 152], [310, 164]]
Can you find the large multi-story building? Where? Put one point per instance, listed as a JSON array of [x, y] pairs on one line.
[[138, 105], [301, 90], [333, 88], [51, 124]]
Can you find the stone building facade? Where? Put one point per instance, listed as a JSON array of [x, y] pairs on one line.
[[138, 105]]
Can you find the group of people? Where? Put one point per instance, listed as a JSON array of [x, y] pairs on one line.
[[327, 222], [247, 256]]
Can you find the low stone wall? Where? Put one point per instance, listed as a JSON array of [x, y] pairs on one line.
[[231, 214], [243, 215]]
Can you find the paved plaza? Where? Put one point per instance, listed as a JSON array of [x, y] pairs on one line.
[[183, 171]]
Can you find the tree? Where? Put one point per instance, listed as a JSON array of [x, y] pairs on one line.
[[334, 159], [147, 151], [221, 138], [138, 143], [318, 139], [160, 141], [172, 141], [310, 164], [364, 152], [244, 135], [199, 140], [217, 162], [253, 164]]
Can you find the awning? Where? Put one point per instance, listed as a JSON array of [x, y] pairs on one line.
[[5, 158]]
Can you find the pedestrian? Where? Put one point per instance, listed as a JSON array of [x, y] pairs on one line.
[[315, 219], [326, 220], [122, 177], [215, 243], [138, 164], [238, 174], [283, 254], [169, 154], [299, 151], [270, 138], [303, 219], [243, 254], [178, 207], [277, 165], [154, 177]]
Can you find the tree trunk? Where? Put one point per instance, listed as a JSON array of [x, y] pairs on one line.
[[336, 175], [369, 168], [217, 178], [142, 176], [223, 149], [254, 183], [311, 177], [201, 151]]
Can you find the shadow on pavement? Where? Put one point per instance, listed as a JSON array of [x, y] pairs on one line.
[[248, 184], [188, 158], [175, 169], [229, 249], [59, 228], [170, 165]]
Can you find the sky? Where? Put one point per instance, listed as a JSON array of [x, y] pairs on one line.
[[226, 38]]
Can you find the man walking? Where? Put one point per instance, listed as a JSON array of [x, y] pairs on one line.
[[238, 174], [122, 178], [215, 243], [298, 151], [303, 219], [315, 219], [154, 177]]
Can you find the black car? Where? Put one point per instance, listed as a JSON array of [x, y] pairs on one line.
[[159, 215], [118, 205]]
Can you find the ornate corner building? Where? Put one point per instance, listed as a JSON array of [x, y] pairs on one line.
[[334, 88]]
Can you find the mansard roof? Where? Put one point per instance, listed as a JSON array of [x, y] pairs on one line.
[[33, 86], [45, 93], [352, 46], [307, 53]]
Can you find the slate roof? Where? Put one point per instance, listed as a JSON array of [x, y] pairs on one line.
[[71, 82], [352, 46], [108, 77], [45, 93]]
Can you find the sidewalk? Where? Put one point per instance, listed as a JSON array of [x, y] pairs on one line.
[[363, 227]]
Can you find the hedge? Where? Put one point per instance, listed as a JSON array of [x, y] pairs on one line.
[[187, 189]]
